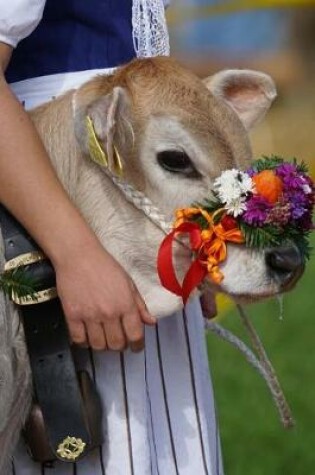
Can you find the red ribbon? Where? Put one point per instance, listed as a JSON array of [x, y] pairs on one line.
[[209, 246], [197, 271]]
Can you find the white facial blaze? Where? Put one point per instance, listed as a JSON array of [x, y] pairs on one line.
[[128, 234], [174, 190], [245, 271]]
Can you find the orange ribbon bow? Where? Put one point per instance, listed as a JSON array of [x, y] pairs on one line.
[[208, 245]]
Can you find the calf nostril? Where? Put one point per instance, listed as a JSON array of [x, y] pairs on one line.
[[284, 260]]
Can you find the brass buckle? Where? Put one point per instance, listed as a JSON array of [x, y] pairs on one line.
[[37, 297], [24, 260], [71, 448]]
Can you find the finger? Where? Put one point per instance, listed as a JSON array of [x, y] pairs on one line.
[[78, 333], [96, 336], [208, 304], [134, 330], [145, 315], [115, 336]]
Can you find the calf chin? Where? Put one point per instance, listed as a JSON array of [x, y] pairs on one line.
[[162, 303]]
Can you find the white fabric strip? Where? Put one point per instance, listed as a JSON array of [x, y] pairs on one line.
[[34, 92]]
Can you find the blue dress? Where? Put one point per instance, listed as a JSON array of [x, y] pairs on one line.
[[70, 37], [159, 415]]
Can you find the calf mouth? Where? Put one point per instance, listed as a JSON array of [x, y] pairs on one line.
[[284, 266], [281, 282]]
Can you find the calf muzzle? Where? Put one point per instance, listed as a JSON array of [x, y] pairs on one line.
[[285, 264]]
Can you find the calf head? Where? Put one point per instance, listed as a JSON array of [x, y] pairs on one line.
[[175, 133]]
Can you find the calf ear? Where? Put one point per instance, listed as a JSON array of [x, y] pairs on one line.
[[110, 116], [249, 93]]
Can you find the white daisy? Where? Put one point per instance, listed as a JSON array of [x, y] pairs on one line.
[[233, 185], [246, 183], [236, 207]]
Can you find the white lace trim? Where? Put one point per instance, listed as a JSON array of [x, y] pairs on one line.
[[150, 35]]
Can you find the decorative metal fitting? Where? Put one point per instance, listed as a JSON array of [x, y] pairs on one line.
[[71, 448]]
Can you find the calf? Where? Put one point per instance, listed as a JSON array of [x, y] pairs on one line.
[[175, 133]]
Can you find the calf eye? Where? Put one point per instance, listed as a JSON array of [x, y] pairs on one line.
[[175, 161]]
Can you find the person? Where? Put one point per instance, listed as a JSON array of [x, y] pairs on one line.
[[152, 424]]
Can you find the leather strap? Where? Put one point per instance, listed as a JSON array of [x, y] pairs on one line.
[[54, 375], [55, 381]]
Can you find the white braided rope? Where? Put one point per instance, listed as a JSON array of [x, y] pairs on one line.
[[268, 374], [150, 37], [235, 341], [262, 363], [141, 202]]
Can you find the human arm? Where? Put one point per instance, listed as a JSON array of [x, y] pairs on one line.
[[101, 303]]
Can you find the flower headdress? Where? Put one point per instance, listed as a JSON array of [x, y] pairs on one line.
[[265, 206]]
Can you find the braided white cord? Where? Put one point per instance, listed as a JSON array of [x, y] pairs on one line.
[[262, 363], [228, 336], [142, 203], [270, 379], [283, 406]]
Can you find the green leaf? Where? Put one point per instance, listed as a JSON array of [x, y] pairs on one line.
[[260, 238], [17, 282], [267, 163], [301, 166], [209, 204]]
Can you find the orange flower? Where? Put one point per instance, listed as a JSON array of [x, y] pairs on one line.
[[268, 185], [183, 215], [210, 243]]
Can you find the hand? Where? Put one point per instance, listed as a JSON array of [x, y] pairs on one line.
[[102, 305]]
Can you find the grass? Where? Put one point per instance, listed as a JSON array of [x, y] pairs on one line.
[[253, 440]]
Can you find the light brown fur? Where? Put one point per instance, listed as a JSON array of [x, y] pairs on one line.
[[145, 107]]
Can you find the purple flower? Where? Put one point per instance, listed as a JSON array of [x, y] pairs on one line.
[[257, 209], [280, 214], [305, 223], [286, 169], [251, 172], [299, 202], [291, 178]]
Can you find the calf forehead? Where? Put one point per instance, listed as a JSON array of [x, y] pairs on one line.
[[164, 88], [217, 127]]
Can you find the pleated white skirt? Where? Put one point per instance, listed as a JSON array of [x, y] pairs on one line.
[[158, 408]]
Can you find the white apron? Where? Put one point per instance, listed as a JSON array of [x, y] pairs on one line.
[[158, 409]]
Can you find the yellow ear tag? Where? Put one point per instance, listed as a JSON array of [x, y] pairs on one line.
[[95, 148], [118, 162]]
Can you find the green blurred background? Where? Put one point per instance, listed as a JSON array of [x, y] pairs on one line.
[[207, 36], [253, 440]]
